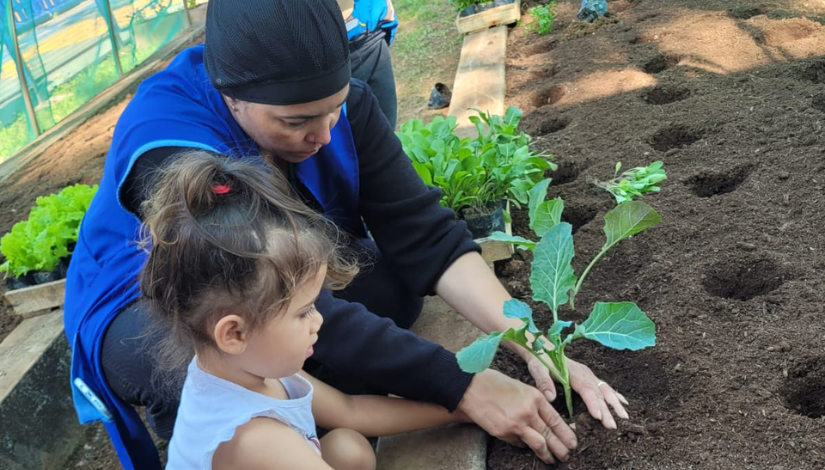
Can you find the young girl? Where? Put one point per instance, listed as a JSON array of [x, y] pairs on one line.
[[235, 266]]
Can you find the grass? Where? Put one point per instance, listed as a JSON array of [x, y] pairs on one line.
[[426, 50]]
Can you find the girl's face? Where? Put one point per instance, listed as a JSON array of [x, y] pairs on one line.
[[281, 346], [291, 133]]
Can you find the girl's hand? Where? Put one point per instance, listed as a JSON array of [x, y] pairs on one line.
[[598, 396]]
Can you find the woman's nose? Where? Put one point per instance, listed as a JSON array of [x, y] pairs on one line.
[[322, 134]]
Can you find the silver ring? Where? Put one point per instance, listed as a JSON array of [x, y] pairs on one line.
[[601, 382]]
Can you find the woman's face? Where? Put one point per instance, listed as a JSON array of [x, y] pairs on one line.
[[291, 133]]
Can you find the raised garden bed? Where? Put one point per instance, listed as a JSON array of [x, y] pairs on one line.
[[495, 13], [730, 100]]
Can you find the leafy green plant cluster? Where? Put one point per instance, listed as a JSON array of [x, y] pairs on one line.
[[617, 325], [38, 243], [634, 182], [511, 166], [443, 160], [543, 18], [475, 171], [460, 5]]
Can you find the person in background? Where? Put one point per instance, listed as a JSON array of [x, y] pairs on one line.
[[371, 26]]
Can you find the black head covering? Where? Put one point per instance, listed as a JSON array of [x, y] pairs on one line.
[[276, 51]]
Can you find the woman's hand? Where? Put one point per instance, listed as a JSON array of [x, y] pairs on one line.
[[517, 413], [598, 396]]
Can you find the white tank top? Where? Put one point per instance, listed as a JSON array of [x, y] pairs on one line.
[[212, 408]]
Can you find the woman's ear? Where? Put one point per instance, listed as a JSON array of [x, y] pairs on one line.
[[230, 334], [231, 103]]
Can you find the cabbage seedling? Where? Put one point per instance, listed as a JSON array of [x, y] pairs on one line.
[[634, 182], [617, 325]]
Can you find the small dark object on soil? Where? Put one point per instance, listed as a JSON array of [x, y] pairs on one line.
[[440, 96]]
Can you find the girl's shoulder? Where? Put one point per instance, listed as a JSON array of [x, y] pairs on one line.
[[265, 443]]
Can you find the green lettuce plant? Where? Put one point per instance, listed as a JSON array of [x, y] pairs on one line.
[[617, 325], [38, 243]]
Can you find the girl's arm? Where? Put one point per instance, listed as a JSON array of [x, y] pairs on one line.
[[374, 415], [267, 444]]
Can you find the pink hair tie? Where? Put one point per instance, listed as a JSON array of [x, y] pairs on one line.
[[220, 188]]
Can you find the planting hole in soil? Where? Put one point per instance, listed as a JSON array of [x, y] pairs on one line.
[[674, 137], [567, 172], [541, 47], [549, 96], [744, 13], [818, 102], [578, 215], [713, 184], [665, 94], [813, 72], [660, 63], [552, 125], [804, 392], [742, 279]]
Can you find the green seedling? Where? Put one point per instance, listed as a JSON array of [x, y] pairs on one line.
[[543, 18], [617, 325], [497, 164], [634, 182]]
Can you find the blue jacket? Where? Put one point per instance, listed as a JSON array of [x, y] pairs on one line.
[[102, 277], [369, 15]]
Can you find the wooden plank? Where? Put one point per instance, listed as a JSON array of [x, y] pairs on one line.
[[23, 347], [479, 81], [36, 300], [503, 15]]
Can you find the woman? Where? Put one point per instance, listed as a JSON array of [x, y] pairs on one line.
[[273, 81]]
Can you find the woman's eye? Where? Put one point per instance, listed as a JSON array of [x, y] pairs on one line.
[[295, 124]]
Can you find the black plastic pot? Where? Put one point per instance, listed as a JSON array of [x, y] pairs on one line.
[[483, 222], [38, 277]]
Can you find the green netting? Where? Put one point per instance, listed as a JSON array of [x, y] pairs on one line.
[[66, 49]]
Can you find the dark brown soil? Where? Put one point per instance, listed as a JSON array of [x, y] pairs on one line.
[[729, 94]]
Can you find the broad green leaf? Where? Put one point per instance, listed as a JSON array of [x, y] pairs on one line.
[[618, 325], [557, 327], [513, 115], [517, 309], [548, 215], [424, 173], [520, 242], [537, 195], [479, 355], [552, 275], [628, 219]]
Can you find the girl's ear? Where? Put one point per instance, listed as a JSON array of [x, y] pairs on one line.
[[230, 334]]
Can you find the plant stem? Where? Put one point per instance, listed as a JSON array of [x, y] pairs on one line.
[[548, 366], [560, 373], [584, 274]]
